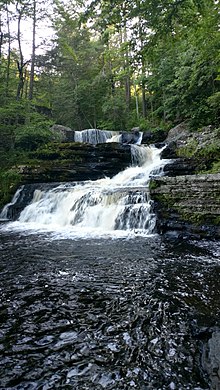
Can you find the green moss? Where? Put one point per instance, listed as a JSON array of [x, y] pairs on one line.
[[215, 168], [56, 151], [189, 150], [164, 199], [207, 158], [153, 184], [169, 204], [198, 219]]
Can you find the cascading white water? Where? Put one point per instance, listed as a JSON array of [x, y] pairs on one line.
[[103, 206], [5, 210], [95, 136]]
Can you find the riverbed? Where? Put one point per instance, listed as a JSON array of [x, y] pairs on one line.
[[106, 313]]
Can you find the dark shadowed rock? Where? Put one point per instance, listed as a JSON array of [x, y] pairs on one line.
[[153, 137], [76, 162], [180, 166], [130, 138], [188, 204], [211, 360]]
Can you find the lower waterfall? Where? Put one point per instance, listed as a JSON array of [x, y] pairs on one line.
[[116, 206]]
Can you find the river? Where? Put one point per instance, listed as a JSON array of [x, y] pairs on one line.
[[92, 298], [126, 313]]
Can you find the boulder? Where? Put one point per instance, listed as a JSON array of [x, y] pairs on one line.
[[154, 136], [131, 138], [179, 133], [62, 133], [211, 360]]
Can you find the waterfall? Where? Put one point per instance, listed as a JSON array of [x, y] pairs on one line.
[[105, 206], [95, 136], [6, 210]]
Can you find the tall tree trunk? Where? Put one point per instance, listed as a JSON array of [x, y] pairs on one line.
[[126, 68], [143, 83], [144, 103], [31, 87], [126, 65], [20, 62], [136, 101], [9, 53], [1, 38]]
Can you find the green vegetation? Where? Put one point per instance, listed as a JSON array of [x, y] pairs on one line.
[[153, 184], [112, 65]]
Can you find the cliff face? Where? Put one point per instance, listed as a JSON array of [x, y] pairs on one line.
[[188, 204], [75, 162]]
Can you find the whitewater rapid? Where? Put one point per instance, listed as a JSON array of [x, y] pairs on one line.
[[117, 207]]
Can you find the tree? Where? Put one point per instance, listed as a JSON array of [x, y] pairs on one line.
[[33, 56]]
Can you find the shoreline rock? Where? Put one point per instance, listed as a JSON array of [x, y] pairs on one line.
[[188, 205]]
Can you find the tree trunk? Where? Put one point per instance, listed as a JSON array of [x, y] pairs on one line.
[[136, 101], [20, 62], [1, 38], [9, 53], [144, 108], [31, 87], [127, 71]]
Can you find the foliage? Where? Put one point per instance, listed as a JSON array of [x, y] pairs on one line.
[[30, 137], [147, 60], [112, 65]]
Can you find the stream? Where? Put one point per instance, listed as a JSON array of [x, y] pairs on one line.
[[125, 313]]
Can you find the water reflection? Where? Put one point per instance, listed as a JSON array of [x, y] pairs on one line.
[[106, 314]]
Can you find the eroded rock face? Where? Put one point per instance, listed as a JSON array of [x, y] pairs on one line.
[[180, 166], [178, 134], [202, 147], [187, 202], [76, 162], [188, 205]]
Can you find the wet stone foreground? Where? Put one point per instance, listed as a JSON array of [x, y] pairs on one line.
[[139, 313]]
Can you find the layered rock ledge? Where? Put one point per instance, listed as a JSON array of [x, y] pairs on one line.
[[187, 205], [75, 162]]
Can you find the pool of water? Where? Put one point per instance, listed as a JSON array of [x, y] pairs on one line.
[[125, 313]]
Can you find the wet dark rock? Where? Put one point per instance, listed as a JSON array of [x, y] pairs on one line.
[[76, 162], [180, 166], [189, 204], [130, 138], [211, 360], [25, 197], [170, 151], [153, 137]]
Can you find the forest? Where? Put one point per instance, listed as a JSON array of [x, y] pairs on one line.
[[110, 65]]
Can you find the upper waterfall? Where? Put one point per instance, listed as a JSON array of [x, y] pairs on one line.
[[94, 136]]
